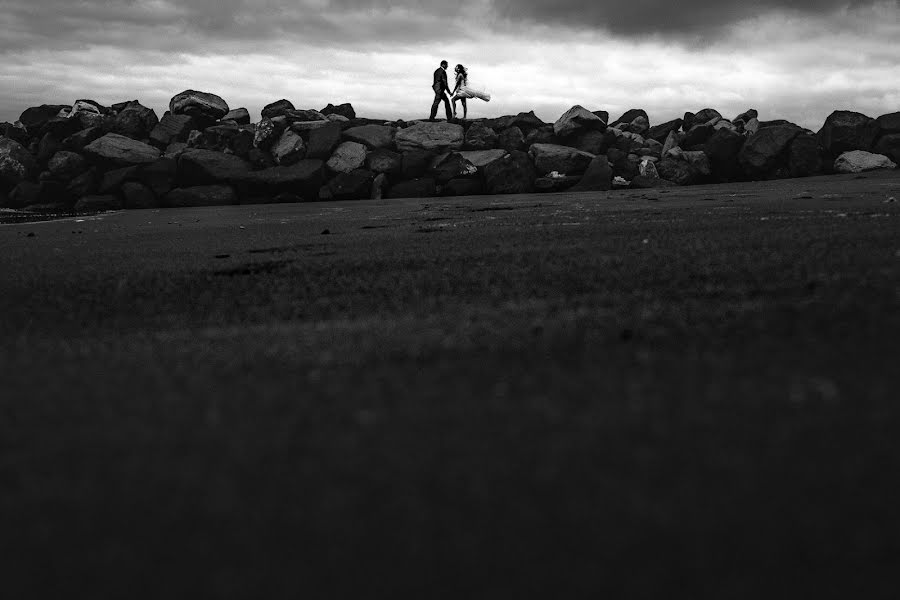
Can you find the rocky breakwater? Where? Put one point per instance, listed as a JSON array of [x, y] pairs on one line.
[[89, 157]]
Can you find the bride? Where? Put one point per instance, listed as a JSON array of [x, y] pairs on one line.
[[462, 91]]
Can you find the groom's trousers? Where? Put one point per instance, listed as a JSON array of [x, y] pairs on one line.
[[438, 96]]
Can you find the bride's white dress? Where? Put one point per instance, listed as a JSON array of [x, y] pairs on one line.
[[467, 91]]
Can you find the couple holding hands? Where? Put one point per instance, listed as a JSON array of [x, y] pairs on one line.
[[461, 92]]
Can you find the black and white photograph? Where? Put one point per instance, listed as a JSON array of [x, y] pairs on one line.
[[481, 299]]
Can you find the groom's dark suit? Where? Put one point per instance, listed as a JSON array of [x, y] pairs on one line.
[[440, 86]]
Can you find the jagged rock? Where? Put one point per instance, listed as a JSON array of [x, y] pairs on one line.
[[201, 195], [678, 171], [66, 165], [563, 159], [241, 116], [804, 156], [647, 168], [84, 184], [629, 142], [452, 166], [524, 121], [35, 117], [622, 166], [60, 127], [629, 116], [289, 148], [777, 123], [386, 161], [47, 147], [482, 158], [857, 161], [746, 116], [175, 149], [661, 132], [463, 187], [847, 130], [765, 149], [414, 188], [171, 128], [514, 173], [687, 121], [372, 136], [112, 181], [706, 115], [480, 137], [303, 178], [77, 141], [267, 133], [577, 119], [135, 121], [343, 110], [304, 116], [639, 125], [672, 141], [540, 135], [204, 167], [87, 106], [16, 163], [436, 136], [87, 204], [204, 107], [276, 109], [698, 160], [304, 127], [136, 196], [416, 164], [889, 123], [117, 149], [511, 138], [751, 126], [593, 142], [14, 131], [722, 148], [158, 176], [347, 157], [889, 145], [697, 135], [597, 177], [556, 184], [322, 141], [212, 138], [355, 185]]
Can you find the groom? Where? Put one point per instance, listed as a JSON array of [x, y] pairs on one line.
[[441, 89]]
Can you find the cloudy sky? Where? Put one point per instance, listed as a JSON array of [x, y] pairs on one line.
[[793, 59]]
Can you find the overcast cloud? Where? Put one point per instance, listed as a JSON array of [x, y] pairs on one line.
[[795, 60]]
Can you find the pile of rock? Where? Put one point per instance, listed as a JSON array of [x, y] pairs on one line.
[[92, 157]]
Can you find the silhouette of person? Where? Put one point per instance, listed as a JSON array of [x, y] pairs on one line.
[[441, 89]]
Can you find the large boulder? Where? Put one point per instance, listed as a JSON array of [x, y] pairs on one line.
[[511, 138], [117, 149], [77, 141], [372, 136], [563, 159], [136, 196], [171, 128], [524, 121], [697, 135], [204, 107], [416, 164], [514, 173], [597, 177], [16, 163], [857, 161], [722, 148], [276, 109], [355, 185], [481, 137], [203, 167], [765, 150], [889, 123], [435, 136], [679, 171], [542, 135], [344, 110], [14, 131], [289, 148], [661, 132], [889, 145], [66, 165], [322, 141], [805, 156], [482, 158], [304, 115], [302, 178], [240, 116], [386, 161], [629, 116], [706, 115], [577, 119], [135, 121], [347, 157], [452, 166], [202, 195], [35, 117], [847, 130]]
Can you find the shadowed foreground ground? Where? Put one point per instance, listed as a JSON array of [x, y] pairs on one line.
[[628, 395]]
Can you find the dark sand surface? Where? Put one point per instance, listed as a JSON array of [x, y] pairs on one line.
[[634, 394]]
